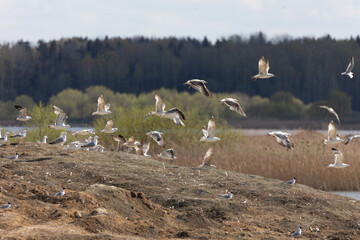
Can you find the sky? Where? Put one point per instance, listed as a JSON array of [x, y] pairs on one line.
[[33, 20]]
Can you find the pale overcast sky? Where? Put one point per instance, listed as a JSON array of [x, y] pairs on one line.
[[53, 19]]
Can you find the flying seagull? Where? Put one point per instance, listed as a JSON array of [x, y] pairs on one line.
[[349, 68], [297, 233], [7, 205], [282, 138], [109, 127], [60, 140], [121, 140], [157, 136], [61, 193], [22, 113], [200, 86], [292, 181], [4, 138], [234, 105], [339, 157], [60, 119], [143, 149], [131, 142], [209, 133], [333, 137], [83, 132], [168, 154], [206, 163], [174, 113], [263, 69], [102, 108], [351, 138], [331, 111]]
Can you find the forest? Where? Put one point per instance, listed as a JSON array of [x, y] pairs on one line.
[[307, 68]]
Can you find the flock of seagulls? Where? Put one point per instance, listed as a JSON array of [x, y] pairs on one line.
[[177, 116]]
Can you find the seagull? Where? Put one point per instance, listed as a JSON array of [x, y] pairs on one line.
[[331, 111], [206, 163], [121, 140], [109, 127], [131, 143], [16, 156], [174, 113], [228, 195], [102, 108], [4, 139], [200, 86], [22, 113], [20, 135], [60, 119], [351, 138], [338, 159], [157, 137], [145, 148], [209, 133], [60, 140], [292, 181], [349, 68], [0, 132], [333, 137], [234, 105], [74, 145], [83, 132], [44, 140], [61, 193], [168, 154], [297, 233], [7, 205], [263, 69], [91, 144], [282, 138]]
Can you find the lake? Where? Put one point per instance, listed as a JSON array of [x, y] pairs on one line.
[[355, 195]]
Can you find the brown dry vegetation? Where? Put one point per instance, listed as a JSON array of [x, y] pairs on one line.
[[113, 195], [262, 155]]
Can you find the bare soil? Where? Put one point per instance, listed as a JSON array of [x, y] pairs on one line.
[[113, 195]]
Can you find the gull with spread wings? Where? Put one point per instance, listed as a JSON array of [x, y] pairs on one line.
[[206, 163], [333, 137], [174, 113], [209, 133], [157, 136], [331, 111], [60, 119], [200, 86], [109, 127], [234, 105], [102, 108], [22, 113], [263, 69], [282, 138], [168, 154], [339, 157], [349, 68]]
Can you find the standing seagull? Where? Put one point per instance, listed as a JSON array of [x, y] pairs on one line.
[[157, 136], [3, 140], [292, 181], [351, 138], [102, 108], [200, 86], [209, 134], [61, 193], [174, 113], [22, 113], [333, 137], [349, 68], [331, 111], [16, 156], [297, 233], [7, 205], [263, 69], [168, 154], [206, 163], [60, 140], [282, 138], [60, 119], [339, 157], [228, 195], [109, 127], [234, 105], [20, 135], [92, 144]]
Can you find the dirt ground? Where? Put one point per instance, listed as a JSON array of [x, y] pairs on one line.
[[114, 195]]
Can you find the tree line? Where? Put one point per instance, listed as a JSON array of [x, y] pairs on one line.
[[308, 68]]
